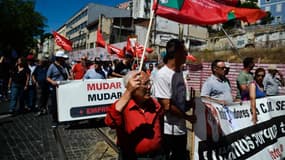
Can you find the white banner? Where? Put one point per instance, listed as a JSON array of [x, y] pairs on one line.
[[85, 99], [227, 132]]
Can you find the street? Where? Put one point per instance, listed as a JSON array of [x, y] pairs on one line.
[[28, 137]]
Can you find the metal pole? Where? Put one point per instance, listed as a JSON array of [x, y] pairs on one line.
[[233, 45]]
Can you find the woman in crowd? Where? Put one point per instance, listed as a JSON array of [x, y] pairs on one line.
[[18, 83], [256, 90]]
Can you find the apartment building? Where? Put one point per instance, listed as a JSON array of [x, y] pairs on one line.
[[80, 27], [276, 7]]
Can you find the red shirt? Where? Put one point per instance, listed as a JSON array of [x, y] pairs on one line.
[[78, 70], [137, 131]]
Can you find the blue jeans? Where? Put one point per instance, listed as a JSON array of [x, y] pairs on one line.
[[31, 97], [17, 92]]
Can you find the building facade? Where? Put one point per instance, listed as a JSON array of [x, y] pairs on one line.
[[80, 27], [276, 8]]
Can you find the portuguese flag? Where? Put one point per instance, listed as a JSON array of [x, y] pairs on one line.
[[204, 12]]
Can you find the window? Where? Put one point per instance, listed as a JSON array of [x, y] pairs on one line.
[[267, 8], [279, 8], [278, 19]]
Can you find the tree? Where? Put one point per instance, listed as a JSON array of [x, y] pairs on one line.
[[20, 25]]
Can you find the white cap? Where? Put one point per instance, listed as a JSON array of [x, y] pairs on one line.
[[227, 64], [60, 54], [272, 67]]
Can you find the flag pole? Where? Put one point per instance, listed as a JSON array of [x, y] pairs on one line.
[[230, 40], [146, 40]]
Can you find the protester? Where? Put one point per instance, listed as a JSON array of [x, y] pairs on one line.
[[56, 73], [227, 71], [216, 87], [256, 90], [123, 67], [18, 83], [95, 72], [4, 78], [244, 78], [79, 69], [39, 77], [170, 90], [137, 119], [271, 81], [31, 92], [107, 68]]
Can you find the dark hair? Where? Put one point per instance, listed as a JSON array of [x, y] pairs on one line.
[[214, 64], [257, 71], [171, 48], [128, 55], [247, 61]]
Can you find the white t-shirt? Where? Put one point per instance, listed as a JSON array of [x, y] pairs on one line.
[[173, 125]]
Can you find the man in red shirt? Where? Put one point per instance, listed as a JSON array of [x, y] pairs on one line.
[[79, 68], [138, 120]]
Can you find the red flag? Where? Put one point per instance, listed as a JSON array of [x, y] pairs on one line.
[[191, 58], [114, 50], [228, 2], [135, 48], [100, 40], [130, 45], [62, 41], [204, 12]]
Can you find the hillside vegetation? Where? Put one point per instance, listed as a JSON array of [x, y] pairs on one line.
[[261, 55]]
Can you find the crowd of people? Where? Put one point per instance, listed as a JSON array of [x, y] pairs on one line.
[[150, 117], [250, 85]]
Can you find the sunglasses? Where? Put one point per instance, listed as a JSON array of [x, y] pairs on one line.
[[260, 75], [223, 68]]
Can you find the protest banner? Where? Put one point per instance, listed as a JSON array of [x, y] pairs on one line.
[[227, 132], [86, 99]]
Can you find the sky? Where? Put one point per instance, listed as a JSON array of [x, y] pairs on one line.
[[57, 12]]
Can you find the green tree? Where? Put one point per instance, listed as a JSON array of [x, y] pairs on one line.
[[20, 25]]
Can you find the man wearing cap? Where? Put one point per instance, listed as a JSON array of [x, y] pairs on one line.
[[56, 73], [95, 72], [271, 82]]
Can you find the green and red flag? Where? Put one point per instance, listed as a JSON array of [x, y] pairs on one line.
[[204, 12]]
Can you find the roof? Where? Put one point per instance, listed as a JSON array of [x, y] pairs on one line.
[[95, 10]]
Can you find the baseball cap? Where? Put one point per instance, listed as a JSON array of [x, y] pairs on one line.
[[30, 57], [61, 54], [272, 67]]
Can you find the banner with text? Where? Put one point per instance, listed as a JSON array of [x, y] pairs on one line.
[[85, 99], [227, 132]]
